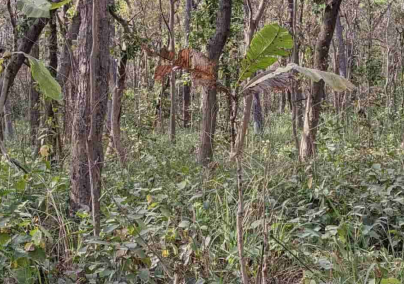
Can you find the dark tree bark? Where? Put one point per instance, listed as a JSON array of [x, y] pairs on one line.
[[50, 119], [86, 115], [172, 76], [209, 112], [313, 104], [117, 107], [67, 71], [257, 114], [187, 87], [67, 60]]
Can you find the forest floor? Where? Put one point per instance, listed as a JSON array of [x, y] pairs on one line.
[[338, 219]]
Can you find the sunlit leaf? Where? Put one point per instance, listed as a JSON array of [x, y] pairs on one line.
[[55, 6], [267, 45], [47, 84]]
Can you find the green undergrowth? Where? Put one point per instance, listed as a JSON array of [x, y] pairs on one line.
[[337, 219]]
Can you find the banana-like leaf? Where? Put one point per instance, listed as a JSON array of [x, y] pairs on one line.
[[267, 45], [35, 8], [47, 84], [39, 8], [280, 79]]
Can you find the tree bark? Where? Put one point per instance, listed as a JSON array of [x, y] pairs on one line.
[[187, 87], [172, 78], [67, 71], [50, 119], [257, 114], [342, 68], [8, 121], [209, 112], [117, 107], [34, 102], [87, 114], [313, 104]]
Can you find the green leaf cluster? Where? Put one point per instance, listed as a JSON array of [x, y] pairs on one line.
[[267, 45]]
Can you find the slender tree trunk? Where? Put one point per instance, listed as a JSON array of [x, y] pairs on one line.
[[50, 118], [8, 121], [257, 114], [172, 78], [34, 102], [117, 107], [342, 68], [209, 112], [313, 106], [187, 87], [67, 70]]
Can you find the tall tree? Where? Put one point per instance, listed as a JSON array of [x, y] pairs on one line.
[[34, 104], [209, 112], [50, 119], [172, 78], [313, 104], [187, 87], [90, 108]]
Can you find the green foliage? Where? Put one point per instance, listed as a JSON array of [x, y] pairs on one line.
[[47, 84], [267, 45], [39, 8]]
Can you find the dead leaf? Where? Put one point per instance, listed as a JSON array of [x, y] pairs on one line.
[[162, 71]]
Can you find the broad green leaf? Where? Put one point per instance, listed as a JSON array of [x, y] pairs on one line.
[[36, 235], [280, 79], [47, 84], [35, 8], [4, 238], [55, 6], [267, 45]]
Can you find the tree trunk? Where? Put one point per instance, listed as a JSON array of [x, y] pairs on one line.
[[34, 102], [209, 112], [50, 119], [172, 78], [8, 122], [117, 107], [86, 115], [257, 114], [187, 87], [342, 68], [67, 69], [313, 104]]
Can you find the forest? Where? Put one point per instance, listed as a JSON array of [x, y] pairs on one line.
[[202, 141]]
